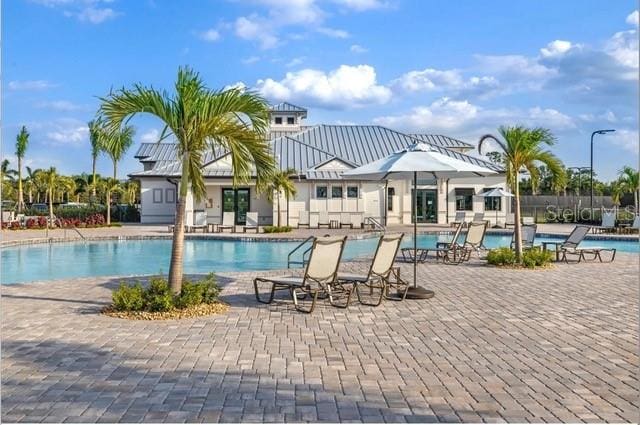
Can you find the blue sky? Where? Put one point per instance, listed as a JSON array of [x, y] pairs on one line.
[[458, 68]]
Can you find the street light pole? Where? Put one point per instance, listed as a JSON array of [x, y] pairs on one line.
[[591, 167]]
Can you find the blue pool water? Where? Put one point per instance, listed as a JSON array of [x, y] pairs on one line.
[[134, 257]]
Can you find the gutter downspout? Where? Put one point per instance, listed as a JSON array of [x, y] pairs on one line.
[[447, 201]]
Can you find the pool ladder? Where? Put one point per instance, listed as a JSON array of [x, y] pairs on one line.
[[305, 253], [75, 229]]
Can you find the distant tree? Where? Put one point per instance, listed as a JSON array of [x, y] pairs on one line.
[[116, 142], [51, 180], [22, 141], [7, 173], [96, 138], [110, 186], [280, 184], [630, 183]]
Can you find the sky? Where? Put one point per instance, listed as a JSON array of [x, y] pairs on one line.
[[459, 68]]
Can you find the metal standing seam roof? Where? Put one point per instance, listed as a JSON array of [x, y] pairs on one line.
[[447, 142], [287, 107]]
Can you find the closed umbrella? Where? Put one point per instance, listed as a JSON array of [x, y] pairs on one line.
[[417, 160], [497, 192]]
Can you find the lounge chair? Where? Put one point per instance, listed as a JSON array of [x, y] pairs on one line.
[[320, 275], [199, 222], [251, 223], [323, 218], [528, 220], [228, 222], [608, 222], [303, 218], [528, 236], [356, 220], [460, 218], [510, 220], [451, 252], [478, 217], [345, 220], [474, 241], [380, 273], [571, 247], [635, 226]]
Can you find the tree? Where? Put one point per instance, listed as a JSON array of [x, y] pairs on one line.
[[22, 140], [200, 119], [7, 173], [115, 143], [523, 149], [280, 184], [96, 140], [131, 190], [617, 189], [630, 182], [110, 186], [51, 180]]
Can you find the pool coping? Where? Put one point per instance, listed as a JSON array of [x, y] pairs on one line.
[[247, 238]]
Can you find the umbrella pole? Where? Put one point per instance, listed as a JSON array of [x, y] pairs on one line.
[[416, 292]]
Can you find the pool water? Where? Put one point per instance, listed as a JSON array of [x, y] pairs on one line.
[[39, 262]]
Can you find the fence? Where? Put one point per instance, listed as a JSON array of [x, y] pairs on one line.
[[571, 209]]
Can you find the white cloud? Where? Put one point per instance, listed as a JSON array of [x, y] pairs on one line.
[[92, 11], [59, 105], [556, 48], [67, 132], [295, 62], [627, 139], [356, 48], [94, 15], [240, 85], [30, 85], [150, 136], [345, 87], [450, 81], [362, 5], [254, 28], [333, 33], [623, 46], [633, 18], [250, 60], [210, 35]]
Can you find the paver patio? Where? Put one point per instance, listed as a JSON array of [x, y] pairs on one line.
[[493, 345]]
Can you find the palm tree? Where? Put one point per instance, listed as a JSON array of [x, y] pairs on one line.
[[630, 182], [7, 173], [67, 186], [116, 142], [617, 189], [523, 149], [96, 140], [110, 186], [131, 190], [22, 140], [51, 180], [200, 119], [280, 184]]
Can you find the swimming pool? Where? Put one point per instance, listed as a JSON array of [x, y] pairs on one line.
[[29, 263]]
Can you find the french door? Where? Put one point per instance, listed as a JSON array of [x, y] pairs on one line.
[[426, 206], [237, 201]]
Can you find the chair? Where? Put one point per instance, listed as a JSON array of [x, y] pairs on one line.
[[251, 223], [475, 237], [528, 236], [460, 218], [478, 217], [380, 273], [356, 220], [510, 220], [303, 218], [199, 221], [571, 246], [323, 218], [528, 220], [450, 252], [228, 221], [314, 220], [320, 274], [608, 222], [345, 220], [635, 226]]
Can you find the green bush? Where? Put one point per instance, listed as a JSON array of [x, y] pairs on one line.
[[158, 296], [277, 229], [130, 298], [533, 258], [80, 212], [501, 256]]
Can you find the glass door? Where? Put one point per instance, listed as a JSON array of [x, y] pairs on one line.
[[236, 201], [426, 206]]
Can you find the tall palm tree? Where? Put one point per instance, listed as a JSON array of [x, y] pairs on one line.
[[116, 143], [630, 181], [278, 185], [96, 139], [7, 173], [110, 186], [200, 119], [523, 149], [131, 190], [22, 140], [51, 181]]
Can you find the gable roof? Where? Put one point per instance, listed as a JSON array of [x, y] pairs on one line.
[[447, 142], [287, 107]]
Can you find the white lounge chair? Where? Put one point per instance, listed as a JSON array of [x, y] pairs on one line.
[[356, 220], [478, 217], [199, 222], [303, 218], [228, 222], [323, 218], [345, 220], [571, 246], [320, 275], [251, 222], [460, 218], [528, 233], [608, 222], [314, 220]]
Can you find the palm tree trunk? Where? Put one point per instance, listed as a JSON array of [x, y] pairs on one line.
[[109, 208], [94, 177], [20, 194], [517, 228], [30, 196], [114, 169], [51, 206], [177, 247], [278, 195], [635, 201]]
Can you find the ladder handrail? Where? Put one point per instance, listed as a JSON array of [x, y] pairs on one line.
[[289, 262], [375, 223]]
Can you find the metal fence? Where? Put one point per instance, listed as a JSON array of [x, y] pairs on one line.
[[571, 209]]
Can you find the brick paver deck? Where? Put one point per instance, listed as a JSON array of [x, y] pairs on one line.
[[493, 345]]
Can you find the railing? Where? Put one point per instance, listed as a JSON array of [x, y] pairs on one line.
[[294, 250], [373, 223], [75, 229]]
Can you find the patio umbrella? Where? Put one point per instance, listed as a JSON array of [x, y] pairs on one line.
[[497, 192], [419, 159]]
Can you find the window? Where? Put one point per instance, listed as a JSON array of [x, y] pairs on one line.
[[170, 196], [464, 199], [493, 203], [291, 120], [352, 191], [157, 196], [321, 192], [278, 120], [336, 191], [391, 192]]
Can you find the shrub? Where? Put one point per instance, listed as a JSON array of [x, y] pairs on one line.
[[81, 213], [204, 291], [533, 258], [501, 256], [277, 229], [128, 298], [158, 296]]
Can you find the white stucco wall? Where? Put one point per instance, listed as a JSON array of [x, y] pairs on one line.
[[161, 209]]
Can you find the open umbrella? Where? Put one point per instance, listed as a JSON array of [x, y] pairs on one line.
[[497, 192], [419, 159]]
